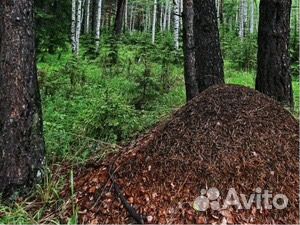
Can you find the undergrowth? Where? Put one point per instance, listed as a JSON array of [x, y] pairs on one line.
[[91, 107]]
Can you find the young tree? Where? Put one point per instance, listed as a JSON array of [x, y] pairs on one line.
[[209, 61], [191, 85], [273, 71], [21, 136]]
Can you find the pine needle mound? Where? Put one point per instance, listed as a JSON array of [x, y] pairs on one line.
[[227, 137]]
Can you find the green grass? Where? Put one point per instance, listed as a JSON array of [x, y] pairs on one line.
[[87, 119]]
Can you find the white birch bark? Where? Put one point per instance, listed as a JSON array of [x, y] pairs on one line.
[[218, 11], [166, 15], [82, 12], [176, 24], [181, 13], [87, 17], [245, 15], [154, 21], [161, 18], [241, 17], [252, 17], [146, 20], [98, 23], [169, 16], [73, 26], [126, 16], [133, 21], [131, 18], [78, 25]]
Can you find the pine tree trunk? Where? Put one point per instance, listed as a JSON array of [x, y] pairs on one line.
[[191, 85], [273, 72], [154, 21], [119, 17], [21, 134], [209, 62]]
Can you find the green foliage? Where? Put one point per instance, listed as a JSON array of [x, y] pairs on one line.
[[51, 29], [242, 52]]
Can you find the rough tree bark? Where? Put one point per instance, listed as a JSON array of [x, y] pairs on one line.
[[209, 62], [119, 17], [21, 135], [273, 71], [191, 85]]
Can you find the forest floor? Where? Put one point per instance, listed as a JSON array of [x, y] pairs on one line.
[[96, 115]]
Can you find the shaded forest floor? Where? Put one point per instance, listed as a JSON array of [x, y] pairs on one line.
[[91, 109]]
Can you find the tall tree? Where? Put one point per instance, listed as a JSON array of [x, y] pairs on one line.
[[87, 17], [119, 17], [98, 23], [191, 85], [252, 17], [273, 71], [21, 136], [78, 25], [154, 21], [176, 23], [209, 61], [73, 27]]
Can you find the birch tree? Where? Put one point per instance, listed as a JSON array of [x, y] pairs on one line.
[[78, 25], [252, 16], [166, 14], [126, 15], [73, 26], [243, 18], [87, 17], [169, 16], [176, 23], [154, 21], [98, 24]]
